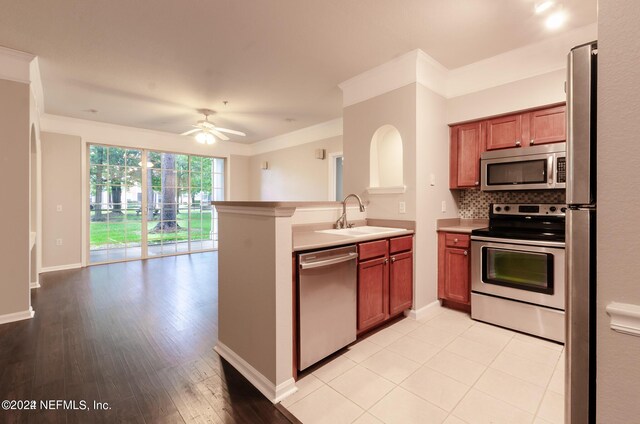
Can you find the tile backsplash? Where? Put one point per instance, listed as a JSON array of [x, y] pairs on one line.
[[475, 203]]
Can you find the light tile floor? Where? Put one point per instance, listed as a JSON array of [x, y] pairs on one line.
[[445, 368]]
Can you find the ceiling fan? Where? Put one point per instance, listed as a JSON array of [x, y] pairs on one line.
[[206, 132]]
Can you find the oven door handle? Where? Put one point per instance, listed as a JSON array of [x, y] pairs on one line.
[[550, 161], [504, 241]]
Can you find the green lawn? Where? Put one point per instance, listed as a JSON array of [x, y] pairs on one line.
[[127, 229]]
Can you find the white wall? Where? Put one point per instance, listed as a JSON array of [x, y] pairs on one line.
[[432, 182], [238, 167], [61, 185], [14, 190], [618, 355], [519, 95], [361, 121], [294, 173]]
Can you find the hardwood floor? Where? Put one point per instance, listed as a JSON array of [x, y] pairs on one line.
[[137, 335]]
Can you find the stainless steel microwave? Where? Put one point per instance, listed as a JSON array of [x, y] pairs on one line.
[[540, 167]]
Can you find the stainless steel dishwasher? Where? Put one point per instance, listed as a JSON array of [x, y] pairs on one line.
[[327, 302]]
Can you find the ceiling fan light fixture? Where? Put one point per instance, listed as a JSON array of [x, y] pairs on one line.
[[205, 137]]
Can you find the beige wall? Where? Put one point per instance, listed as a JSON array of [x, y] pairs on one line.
[[524, 94], [294, 173], [14, 190], [432, 182], [361, 120], [238, 178], [618, 355], [61, 185]]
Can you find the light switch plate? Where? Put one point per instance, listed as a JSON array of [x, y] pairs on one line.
[[402, 207], [444, 206]]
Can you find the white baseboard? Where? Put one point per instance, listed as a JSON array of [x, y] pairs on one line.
[[272, 392], [60, 267], [34, 285], [426, 312], [17, 316]]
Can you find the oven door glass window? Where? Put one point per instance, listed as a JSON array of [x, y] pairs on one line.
[[530, 271], [520, 172]]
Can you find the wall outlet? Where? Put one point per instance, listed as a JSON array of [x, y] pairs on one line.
[[402, 207], [58, 242], [444, 206], [59, 208]]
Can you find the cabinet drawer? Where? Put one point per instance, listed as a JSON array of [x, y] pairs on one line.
[[372, 249], [400, 244], [456, 240]]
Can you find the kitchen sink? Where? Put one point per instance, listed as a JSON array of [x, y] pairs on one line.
[[361, 231]]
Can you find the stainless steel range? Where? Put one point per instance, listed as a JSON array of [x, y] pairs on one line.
[[517, 269]]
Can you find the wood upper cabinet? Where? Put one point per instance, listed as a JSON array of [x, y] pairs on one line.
[[467, 142], [454, 269], [400, 282], [505, 132], [548, 125], [373, 292], [385, 280]]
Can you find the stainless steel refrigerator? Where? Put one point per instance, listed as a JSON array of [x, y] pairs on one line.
[[581, 235]]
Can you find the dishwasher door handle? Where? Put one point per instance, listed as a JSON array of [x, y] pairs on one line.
[[327, 262]]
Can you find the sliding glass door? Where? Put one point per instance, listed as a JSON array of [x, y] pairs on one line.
[[167, 204]]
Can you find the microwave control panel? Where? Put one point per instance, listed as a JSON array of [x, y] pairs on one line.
[[561, 170]]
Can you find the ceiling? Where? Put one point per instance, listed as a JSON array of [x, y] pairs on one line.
[[151, 63]]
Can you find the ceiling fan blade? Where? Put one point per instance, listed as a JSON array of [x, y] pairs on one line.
[[220, 135], [207, 124], [190, 131], [231, 131]]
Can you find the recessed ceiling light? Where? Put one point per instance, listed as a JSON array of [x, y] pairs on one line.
[[543, 6], [556, 19]]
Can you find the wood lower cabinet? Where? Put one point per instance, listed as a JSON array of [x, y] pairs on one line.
[[385, 280], [400, 282], [373, 292], [454, 270]]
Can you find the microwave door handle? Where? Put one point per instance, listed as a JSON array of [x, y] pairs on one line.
[[550, 169]]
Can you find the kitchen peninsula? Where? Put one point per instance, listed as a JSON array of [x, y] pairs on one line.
[[256, 301]]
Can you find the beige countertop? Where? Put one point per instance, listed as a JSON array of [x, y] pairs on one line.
[[309, 240], [461, 225], [278, 204]]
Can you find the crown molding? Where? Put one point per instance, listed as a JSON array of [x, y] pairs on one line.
[[417, 66], [119, 135], [14, 65], [36, 85], [306, 135]]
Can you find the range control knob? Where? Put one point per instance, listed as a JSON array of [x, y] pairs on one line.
[[507, 208], [498, 208], [563, 210], [553, 208]]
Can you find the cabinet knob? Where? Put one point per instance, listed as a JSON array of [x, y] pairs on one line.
[[455, 240], [386, 261], [477, 182], [518, 143], [393, 259], [532, 142], [466, 253]]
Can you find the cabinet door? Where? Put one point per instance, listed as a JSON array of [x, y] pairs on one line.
[[504, 132], [548, 126], [456, 277], [467, 142], [373, 292], [400, 282]]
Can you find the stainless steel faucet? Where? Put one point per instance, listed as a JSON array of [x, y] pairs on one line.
[[342, 221]]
